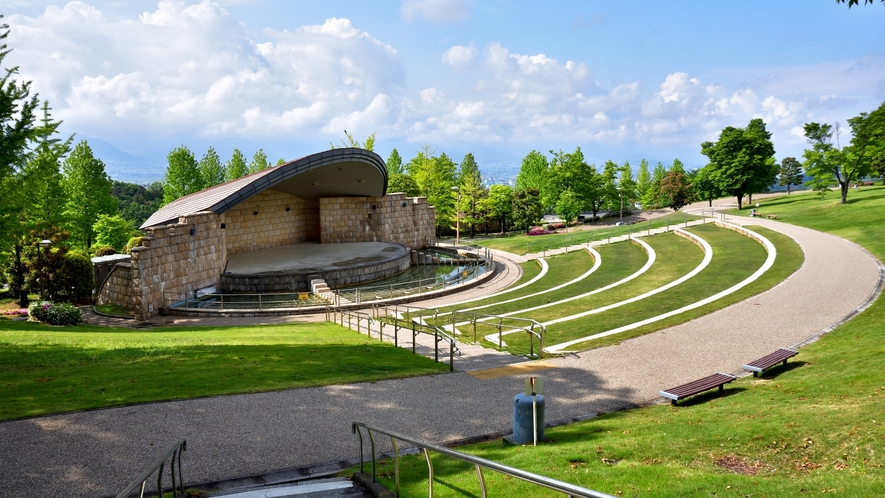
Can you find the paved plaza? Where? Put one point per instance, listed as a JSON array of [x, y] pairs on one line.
[[95, 453]]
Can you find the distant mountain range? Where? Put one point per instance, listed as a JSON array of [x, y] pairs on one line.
[[141, 169]]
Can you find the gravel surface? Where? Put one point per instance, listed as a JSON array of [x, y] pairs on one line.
[[97, 453]]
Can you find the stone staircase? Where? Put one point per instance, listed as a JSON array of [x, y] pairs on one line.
[[328, 487], [319, 287]]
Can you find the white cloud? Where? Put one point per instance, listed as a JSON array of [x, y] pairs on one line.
[[195, 68], [437, 11], [459, 56]]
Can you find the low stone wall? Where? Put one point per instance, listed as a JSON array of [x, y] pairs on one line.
[[300, 281], [118, 289], [409, 221], [282, 219]]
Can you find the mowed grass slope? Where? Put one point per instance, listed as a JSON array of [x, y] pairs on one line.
[[813, 427], [47, 370]]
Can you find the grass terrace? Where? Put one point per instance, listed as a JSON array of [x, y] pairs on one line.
[[813, 427]]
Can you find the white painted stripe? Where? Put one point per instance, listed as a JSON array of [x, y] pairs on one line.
[[544, 269], [769, 262]]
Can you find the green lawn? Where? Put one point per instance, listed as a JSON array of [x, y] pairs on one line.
[[812, 427], [51, 369]]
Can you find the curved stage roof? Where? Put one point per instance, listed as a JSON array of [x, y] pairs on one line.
[[346, 172]]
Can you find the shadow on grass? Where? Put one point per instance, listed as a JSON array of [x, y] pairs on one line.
[[713, 395], [779, 369]]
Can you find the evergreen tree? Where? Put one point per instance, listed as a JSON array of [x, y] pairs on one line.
[[790, 173], [88, 190], [643, 181], [394, 164], [259, 162], [42, 173], [236, 167], [498, 205], [211, 169], [471, 190], [527, 208], [182, 175], [533, 172]]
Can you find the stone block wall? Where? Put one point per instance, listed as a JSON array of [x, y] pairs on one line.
[[119, 288], [409, 221], [173, 262], [282, 219]]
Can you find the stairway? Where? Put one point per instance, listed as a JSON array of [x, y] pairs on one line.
[[319, 287], [333, 487]]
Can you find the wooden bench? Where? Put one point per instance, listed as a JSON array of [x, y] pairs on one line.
[[698, 386], [767, 361], [771, 216]]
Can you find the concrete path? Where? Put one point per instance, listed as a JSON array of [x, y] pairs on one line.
[[96, 453]]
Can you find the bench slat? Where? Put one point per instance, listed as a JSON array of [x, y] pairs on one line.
[[770, 360], [697, 386]]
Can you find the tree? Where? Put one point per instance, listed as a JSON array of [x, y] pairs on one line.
[[369, 144], [17, 121], [627, 185], [211, 169], [567, 171], [42, 173], [114, 231], [471, 189], [88, 190], [498, 205], [403, 183], [643, 181], [568, 207], [182, 175], [676, 190], [527, 208], [236, 167], [137, 203], [533, 172], [652, 197], [705, 188], [394, 164], [259, 162], [742, 160], [790, 173], [852, 3], [435, 177], [852, 163]]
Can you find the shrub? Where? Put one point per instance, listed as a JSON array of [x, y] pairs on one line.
[[79, 276], [539, 231], [98, 251], [132, 244], [55, 313]]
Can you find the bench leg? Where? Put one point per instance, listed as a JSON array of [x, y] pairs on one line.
[[784, 363], [673, 402], [755, 374], [721, 387]]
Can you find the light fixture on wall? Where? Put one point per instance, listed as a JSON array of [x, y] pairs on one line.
[[405, 204], [373, 207], [223, 226], [254, 213], [288, 209], [193, 230]]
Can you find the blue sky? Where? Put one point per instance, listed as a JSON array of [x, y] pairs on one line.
[[622, 80]]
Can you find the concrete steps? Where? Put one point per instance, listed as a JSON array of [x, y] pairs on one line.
[[334, 487], [319, 287]]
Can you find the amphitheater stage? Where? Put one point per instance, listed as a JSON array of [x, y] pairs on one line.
[[288, 268]]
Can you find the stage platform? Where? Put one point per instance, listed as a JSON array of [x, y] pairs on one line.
[[288, 268]]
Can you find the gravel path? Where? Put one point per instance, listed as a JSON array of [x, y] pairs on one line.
[[96, 453]]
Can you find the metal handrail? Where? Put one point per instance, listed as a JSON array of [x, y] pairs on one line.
[[174, 455], [454, 318], [478, 462], [332, 315]]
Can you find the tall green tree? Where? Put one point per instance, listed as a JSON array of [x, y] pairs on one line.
[[498, 205], [88, 190], [42, 173], [211, 169], [435, 177], [705, 188], [472, 190], [568, 207], [652, 197], [17, 126], [394, 164], [568, 172], [790, 173], [182, 175], [532, 172], [259, 162], [137, 203], [527, 208], [403, 183], [236, 167], [114, 231], [742, 160], [627, 185], [643, 180]]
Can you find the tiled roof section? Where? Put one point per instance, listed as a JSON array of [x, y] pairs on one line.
[[220, 198]]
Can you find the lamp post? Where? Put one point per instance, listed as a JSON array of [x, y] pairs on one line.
[[621, 195], [45, 244], [457, 216]]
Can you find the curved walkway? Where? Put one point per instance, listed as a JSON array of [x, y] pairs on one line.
[[95, 453]]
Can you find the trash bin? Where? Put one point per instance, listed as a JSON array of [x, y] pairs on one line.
[[523, 429]]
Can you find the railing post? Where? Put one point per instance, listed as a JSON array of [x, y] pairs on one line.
[[452, 355], [413, 337], [429, 473], [474, 328], [482, 481], [259, 301], [435, 345], [500, 335], [395, 465]]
